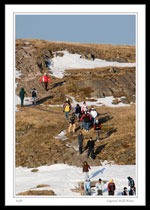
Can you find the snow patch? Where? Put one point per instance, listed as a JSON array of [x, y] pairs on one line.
[[73, 61], [62, 178]]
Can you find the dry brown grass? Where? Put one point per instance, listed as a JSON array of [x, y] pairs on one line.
[[36, 145], [103, 51]]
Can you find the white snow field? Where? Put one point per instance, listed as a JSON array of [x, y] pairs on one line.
[[62, 178], [73, 61]]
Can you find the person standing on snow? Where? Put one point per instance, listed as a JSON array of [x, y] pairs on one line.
[[131, 182], [87, 186], [124, 191], [80, 142], [99, 186], [85, 169], [132, 192], [21, 94], [45, 79], [97, 128], [34, 94], [111, 187]]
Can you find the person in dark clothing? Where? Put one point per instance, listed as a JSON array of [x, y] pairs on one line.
[[85, 169], [125, 191], [87, 119], [72, 123], [21, 94], [131, 182], [97, 128], [80, 142], [111, 187], [77, 111], [82, 121], [132, 192], [34, 95], [90, 147]]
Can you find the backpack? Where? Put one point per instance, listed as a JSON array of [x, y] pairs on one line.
[[67, 108], [33, 93]]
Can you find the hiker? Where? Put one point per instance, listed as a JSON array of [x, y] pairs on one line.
[[84, 107], [111, 187], [72, 123], [82, 121], [67, 108], [21, 94], [87, 186], [45, 79], [87, 119], [34, 94], [132, 192], [90, 147], [80, 142], [124, 191], [130, 182], [99, 186], [77, 111], [97, 128], [93, 114], [93, 57], [85, 169]]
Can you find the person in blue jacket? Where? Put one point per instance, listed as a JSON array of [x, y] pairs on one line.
[[87, 186]]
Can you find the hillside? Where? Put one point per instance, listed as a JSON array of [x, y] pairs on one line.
[[37, 127]]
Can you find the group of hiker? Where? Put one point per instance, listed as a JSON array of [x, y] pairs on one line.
[[44, 81], [111, 187], [87, 118]]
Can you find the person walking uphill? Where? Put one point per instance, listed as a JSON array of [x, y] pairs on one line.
[[90, 147], [21, 94], [97, 128], [80, 142], [34, 94], [111, 187], [85, 169], [67, 108], [72, 123], [87, 119], [45, 79]]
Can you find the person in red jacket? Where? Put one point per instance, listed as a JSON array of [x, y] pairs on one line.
[[111, 187], [45, 79], [87, 119]]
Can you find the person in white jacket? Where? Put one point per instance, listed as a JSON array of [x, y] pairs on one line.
[[93, 114], [99, 187]]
